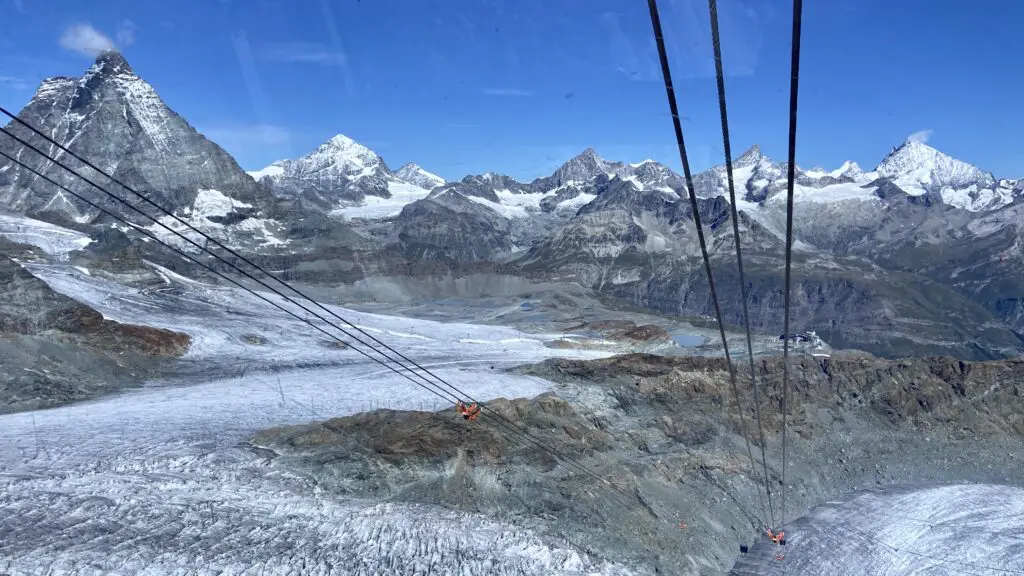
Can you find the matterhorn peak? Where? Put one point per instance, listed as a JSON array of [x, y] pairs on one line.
[[109, 63]]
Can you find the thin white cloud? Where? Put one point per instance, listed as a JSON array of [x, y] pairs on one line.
[[302, 52], [921, 136], [507, 92], [19, 5], [14, 83], [462, 125], [86, 40], [126, 33]]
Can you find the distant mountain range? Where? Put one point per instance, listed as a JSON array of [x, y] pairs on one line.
[[919, 255]]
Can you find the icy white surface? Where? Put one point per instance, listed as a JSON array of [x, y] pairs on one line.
[[211, 202], [849, 168], [154, 481], [50, 238], [374, 207], [218, 319], [961, 529], [518, 209], [830, 193]]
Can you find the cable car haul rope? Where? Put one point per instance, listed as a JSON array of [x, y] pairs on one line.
[[768, 512]]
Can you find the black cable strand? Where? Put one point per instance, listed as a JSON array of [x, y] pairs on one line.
[[720, 77], [431, 387], [794, 84], [209, 239], [674, 109]]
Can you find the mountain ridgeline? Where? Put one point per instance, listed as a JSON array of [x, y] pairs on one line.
[[921, 255]]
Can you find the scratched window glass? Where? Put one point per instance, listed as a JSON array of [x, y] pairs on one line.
[[481, 287]]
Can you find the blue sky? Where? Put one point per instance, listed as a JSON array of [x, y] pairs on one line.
[[519, 86]]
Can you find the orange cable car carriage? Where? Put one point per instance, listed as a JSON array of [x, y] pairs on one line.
[[470, 412]]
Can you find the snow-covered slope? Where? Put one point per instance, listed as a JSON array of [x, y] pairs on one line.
[[401, 194], [915, 164]]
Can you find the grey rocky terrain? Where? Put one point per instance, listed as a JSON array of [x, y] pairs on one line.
[[55, 350], [665, 432]]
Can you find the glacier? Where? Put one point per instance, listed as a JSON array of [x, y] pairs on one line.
[[159, 481]]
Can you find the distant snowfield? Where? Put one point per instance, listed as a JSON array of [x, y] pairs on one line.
[[51, 239], [154, 481], [375, 207]]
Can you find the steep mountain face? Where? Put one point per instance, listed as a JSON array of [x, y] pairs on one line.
[[486, 186], [449, 226], [116, 120], [588, 167], [339, 170], [417, 176], [582, 168]]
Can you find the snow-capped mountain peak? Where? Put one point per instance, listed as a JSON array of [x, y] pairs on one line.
[[340, 157], [115, 119], [108, 63], [339, 170], [586, 166], [849, 169], [414, 174], [916, 166], [344, 149], [749, 158]]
